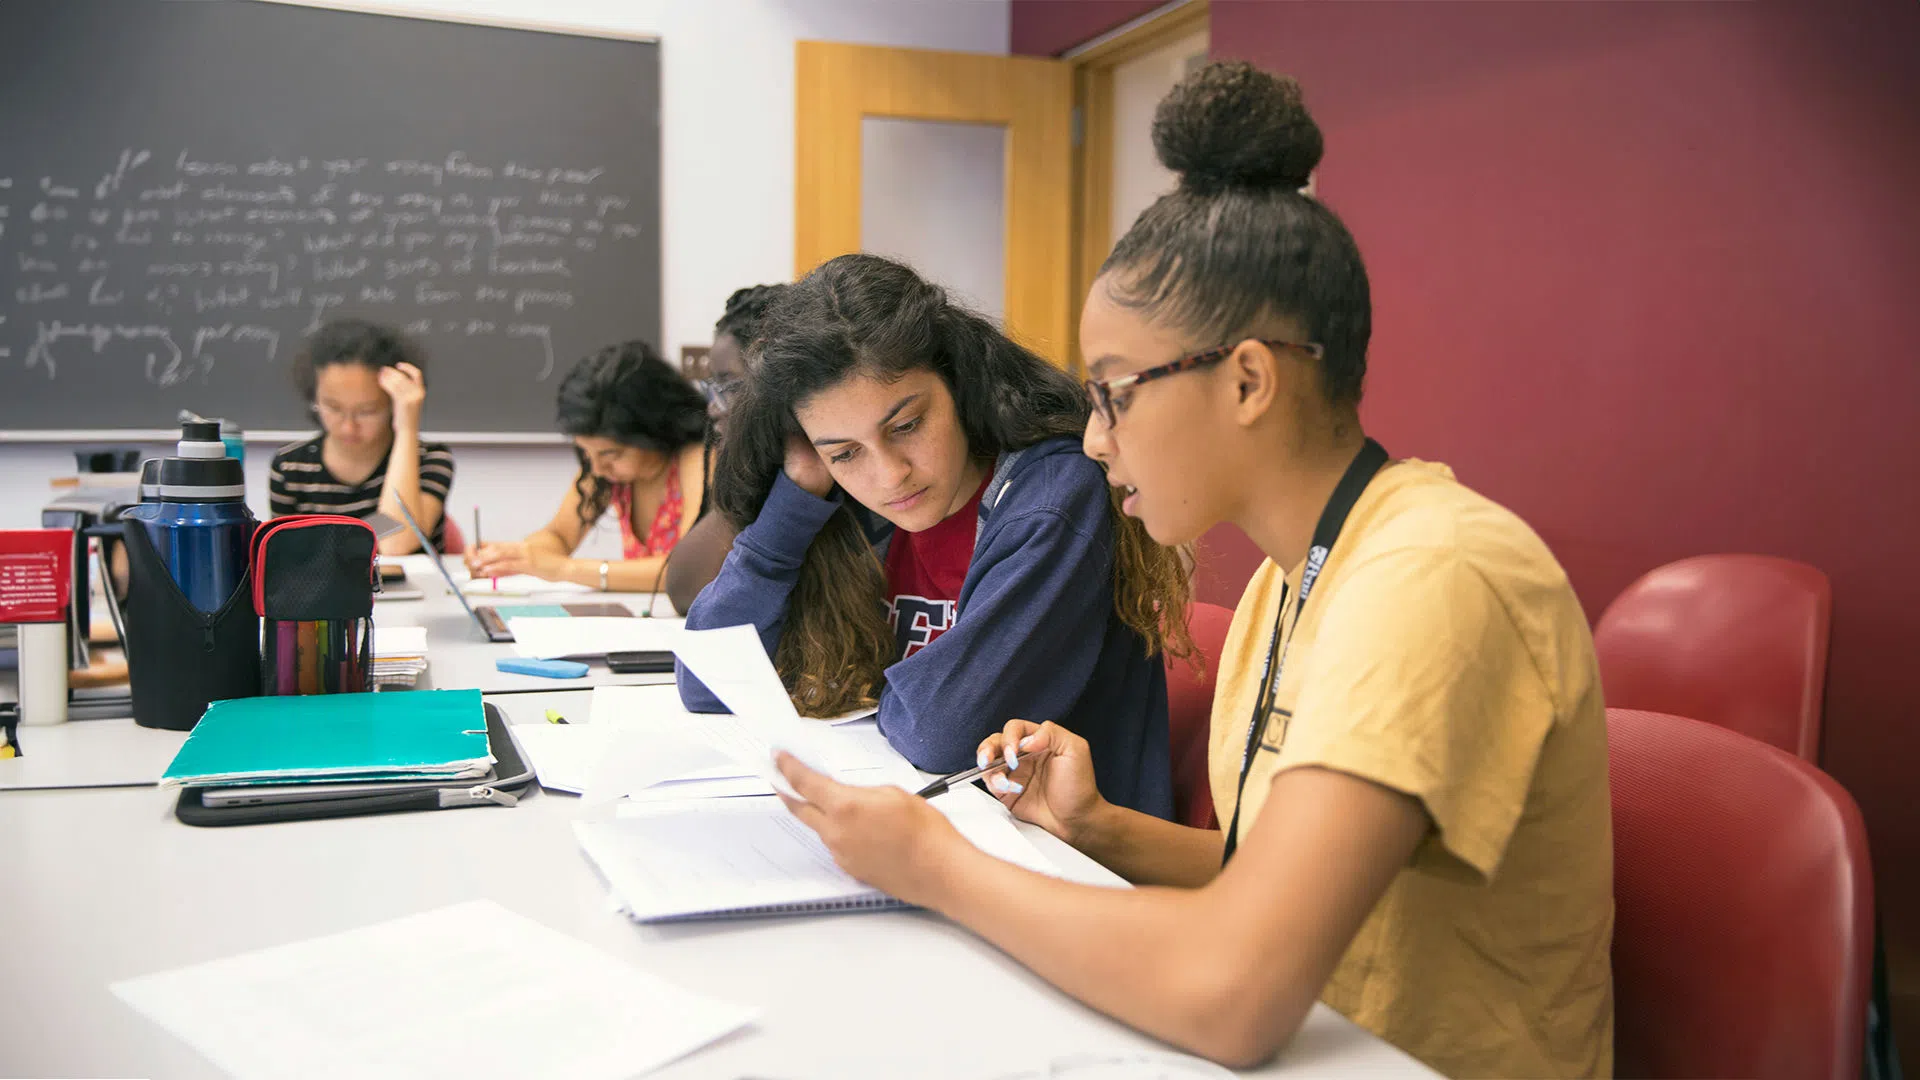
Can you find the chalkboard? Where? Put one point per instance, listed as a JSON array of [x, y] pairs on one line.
[[186, 189]]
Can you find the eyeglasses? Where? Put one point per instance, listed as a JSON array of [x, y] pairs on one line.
[[366, 415], [1101, 391], [719, 392]]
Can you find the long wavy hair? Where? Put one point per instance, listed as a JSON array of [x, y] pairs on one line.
[[867, 315], [626, 393]]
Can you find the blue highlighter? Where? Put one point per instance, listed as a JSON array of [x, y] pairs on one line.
[[546, 669]]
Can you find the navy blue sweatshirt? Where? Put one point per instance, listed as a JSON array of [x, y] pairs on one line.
[[1034, 636]]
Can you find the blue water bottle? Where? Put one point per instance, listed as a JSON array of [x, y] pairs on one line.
[[200, 526], [235, 441]]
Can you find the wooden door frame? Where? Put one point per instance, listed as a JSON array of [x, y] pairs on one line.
[[836, 85], [1093, 151]]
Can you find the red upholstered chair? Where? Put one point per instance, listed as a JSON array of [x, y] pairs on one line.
[[1735, 640], [452, 541], [1743, 907], [1190, 714]]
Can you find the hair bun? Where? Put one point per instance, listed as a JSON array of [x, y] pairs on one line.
[[1231, 126]]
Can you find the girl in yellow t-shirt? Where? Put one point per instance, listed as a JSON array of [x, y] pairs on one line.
[[1408, 743]]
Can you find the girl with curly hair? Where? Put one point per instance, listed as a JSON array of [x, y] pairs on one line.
[[638, 430], [1003, 581]]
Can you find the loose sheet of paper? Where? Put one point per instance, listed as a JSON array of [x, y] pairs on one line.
[[540, 638], [982, 820], [611, 762], [467, 990], [639, 738], [733, 664], [747, 741]]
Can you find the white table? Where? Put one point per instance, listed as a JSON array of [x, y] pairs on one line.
[[101, 885], [458, 653]]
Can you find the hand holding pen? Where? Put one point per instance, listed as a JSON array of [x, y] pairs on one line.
[[947, 783]]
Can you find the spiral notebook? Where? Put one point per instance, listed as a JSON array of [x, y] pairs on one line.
[[746, 857]]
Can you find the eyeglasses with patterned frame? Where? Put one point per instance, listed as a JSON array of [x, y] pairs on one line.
[[1100, 391]]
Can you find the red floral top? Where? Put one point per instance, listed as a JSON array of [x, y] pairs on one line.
[[665, 531]]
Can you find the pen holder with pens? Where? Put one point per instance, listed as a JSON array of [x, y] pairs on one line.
[[313, 583]]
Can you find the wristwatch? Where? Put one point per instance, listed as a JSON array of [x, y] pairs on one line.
[[603, 575]]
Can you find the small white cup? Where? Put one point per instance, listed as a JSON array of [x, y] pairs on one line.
[[43, 673]]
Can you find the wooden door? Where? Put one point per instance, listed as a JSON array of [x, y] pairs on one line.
[[841, 88]]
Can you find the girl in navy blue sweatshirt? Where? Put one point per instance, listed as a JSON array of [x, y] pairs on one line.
[[918, 528]]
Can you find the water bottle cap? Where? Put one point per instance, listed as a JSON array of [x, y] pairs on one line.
[[201, 480], [202, 472]]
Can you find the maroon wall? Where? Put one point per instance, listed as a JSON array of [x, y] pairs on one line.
[[1050, 27], [1647, 274]]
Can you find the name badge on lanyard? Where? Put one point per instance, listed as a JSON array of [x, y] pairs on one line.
[[1370, 460]]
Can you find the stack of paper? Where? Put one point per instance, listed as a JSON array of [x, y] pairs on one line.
[[427, 734], [399, 655], [468, 990]]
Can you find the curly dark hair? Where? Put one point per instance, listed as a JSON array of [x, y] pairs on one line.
[[745, 310], [626, 393], [1238, 242], [353, 341], [867, 315]]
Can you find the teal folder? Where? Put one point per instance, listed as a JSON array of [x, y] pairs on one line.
[[421, 734]]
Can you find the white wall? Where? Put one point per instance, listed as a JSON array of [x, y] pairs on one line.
[[727, 187]]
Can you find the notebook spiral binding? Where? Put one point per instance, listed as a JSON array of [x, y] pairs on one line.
[[816, 907]]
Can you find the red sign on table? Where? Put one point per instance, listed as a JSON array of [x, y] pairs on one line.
[[36, 574]]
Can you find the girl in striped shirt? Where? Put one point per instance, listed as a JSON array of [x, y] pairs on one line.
[[365, 384]]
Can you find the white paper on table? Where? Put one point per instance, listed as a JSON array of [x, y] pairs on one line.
[[518, 585], [681, 790], [458, 991], [579, 758], [636, 739], [748, 739], [644, 705], [389, 641], [555, 638], [562, 755], [635, 760], [732, 663]]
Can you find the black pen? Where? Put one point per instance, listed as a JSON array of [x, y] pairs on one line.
[[946, 783]]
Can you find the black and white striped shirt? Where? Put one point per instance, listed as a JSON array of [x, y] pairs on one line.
[[299, 483]]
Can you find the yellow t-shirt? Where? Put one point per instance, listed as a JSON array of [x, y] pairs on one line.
[[1443, 654]]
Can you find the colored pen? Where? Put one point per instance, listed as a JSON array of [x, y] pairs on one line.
[[476, 545], [554, 717], [947, 783]]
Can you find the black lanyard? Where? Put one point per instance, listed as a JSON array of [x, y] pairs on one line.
[[1358, 475]]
